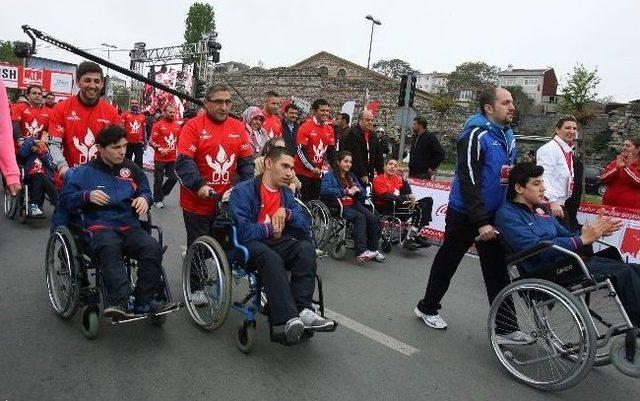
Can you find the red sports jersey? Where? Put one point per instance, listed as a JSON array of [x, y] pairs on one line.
[[78, 126], [134, 126], [383, 184], [215, 147], [164, 134], [272, 124], [623, 185], [34, 121], [315, 140], [270, 203]]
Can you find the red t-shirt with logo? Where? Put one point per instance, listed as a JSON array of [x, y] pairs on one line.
[[315, 140], [383, 184], [133, 126], [270, 203], [272, 125], [165, 134], [78, 126], [34, 121], [215, 147]]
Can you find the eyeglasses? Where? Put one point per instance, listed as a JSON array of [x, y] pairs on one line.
[[219, 102]]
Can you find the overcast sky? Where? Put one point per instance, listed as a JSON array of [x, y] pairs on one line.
[[431, 35]]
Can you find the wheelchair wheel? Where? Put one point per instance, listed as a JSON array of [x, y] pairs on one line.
[[11, 204], [89, 324], [338, 250], [206, 269], [561, 346], [62, 271], [245, 336], [321, 222], [23, 205], [619, 357], [385, 245]]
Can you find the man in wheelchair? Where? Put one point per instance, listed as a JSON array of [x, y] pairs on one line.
[[104, 198], [523, 223], [272, 226], [393, 197]]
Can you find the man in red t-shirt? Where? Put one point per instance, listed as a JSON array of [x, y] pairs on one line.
[[135, 126], [164, 140], [31, 118], [314, 138], [272, 124], [49, 101], [212, 147], [76, 122]]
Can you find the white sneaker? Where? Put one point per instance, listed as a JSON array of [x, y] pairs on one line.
[[515, 338], [34, 210], [293, 330], [314, 321], [199, 298], [376, 255], [159, 205], [433, 321]]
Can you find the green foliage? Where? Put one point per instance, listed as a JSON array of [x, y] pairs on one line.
[[200, 20], [6, 53], [578, 92], [442, 102], [476, 75], [394, 68], [121, 96]]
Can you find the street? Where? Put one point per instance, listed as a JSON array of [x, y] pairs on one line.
[[381, 351]]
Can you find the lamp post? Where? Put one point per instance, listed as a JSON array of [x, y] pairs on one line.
[[374, 22], [109, 47]]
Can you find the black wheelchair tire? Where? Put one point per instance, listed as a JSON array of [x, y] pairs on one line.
[[68, 309], [245, 337], [619, 358], [89, 323]]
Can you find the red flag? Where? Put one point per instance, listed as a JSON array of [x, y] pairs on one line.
[[373, 106], [630, 242]]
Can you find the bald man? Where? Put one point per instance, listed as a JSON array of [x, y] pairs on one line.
[[365, 148]]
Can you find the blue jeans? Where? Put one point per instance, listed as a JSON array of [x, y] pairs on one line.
[[366, 227]]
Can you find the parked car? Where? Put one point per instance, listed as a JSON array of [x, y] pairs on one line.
[[592, 183]]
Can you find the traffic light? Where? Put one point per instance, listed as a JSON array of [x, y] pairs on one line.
[[403, 91], [412, 90], [407, 90]]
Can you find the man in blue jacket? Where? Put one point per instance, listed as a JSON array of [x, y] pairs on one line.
[[486, 152], [272, 226], [110, 193]]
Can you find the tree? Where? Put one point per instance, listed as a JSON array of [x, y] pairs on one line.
[[121, 97], [200, 21], [521, 100], [6, 53], [475, 76], [442, 102], [579, 92], [395, 68]]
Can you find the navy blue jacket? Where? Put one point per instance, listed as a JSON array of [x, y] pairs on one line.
[[483, 148], [330, 188], [244, 208], [29, 157], [123, 183], [523, 229]]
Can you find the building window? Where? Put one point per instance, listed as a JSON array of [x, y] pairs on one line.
[[509, 82], [531, 81], [323, 70], [342, 73], [466, 95]]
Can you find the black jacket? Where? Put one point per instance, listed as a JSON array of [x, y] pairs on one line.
[[426, 153], [364, 163], [290, 136]]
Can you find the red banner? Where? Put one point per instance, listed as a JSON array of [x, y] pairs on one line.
[[58, 82]]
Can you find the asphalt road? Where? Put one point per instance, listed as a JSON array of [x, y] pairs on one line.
[[45, 358]]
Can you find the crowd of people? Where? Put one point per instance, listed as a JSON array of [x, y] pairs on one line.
[[85, 156]]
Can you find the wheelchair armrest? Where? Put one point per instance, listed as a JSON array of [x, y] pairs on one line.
[[237, 247], [527, 253]]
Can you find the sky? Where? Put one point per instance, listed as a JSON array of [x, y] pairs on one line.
[[431, 35]]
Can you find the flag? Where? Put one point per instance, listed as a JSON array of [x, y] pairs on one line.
[[373, 106], [349, 107]]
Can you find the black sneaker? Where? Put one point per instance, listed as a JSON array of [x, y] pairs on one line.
[[119, 310], [152, 307], [422, 241]]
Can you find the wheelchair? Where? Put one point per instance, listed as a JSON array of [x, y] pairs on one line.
[[220, 264], [18, 205], [74, 281], [574, 321], [396, 227]]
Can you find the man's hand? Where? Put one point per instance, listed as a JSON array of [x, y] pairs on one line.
[[412, 200], [364, 180], [278, 220], [317, 170], [556, 209], [620, 161], [486, 233], [601, 227], [430, 171], [141, 205], [63, 170], [44, 137], [204, 191], [98, 197], [15, 188]]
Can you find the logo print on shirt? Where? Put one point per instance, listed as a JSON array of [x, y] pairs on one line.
[[88, 149], [73, 116], [220, 166], [171, 141], [270, 134], [125, 172], [34, 128], [135, 127], [318, 152]]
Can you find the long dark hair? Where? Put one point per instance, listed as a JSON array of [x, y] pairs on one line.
[[346, 180]]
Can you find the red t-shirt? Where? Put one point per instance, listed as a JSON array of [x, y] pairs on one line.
[[34, 121], [134, 126], [272, 124], [215, 147], [78, 126], [383, 184], [315, 140], [623, 185], [270, 203], [165, 134]]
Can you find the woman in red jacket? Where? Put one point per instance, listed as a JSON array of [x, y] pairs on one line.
[[622, 177]]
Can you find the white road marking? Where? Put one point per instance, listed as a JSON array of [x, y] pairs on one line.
[[372, 334]]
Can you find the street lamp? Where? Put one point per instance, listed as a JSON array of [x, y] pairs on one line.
[[374, 22], [109, 47]]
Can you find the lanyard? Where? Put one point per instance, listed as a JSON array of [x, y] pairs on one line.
[[568, 157]]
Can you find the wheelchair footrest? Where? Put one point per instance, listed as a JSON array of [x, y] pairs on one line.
[[127, 319]]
